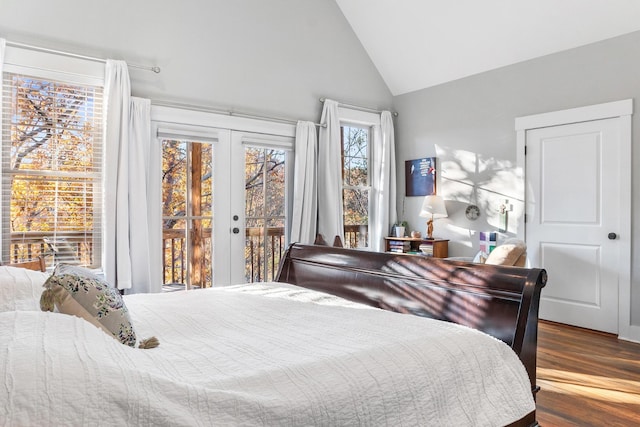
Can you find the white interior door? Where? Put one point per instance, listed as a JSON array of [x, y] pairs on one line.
[[573, 220]]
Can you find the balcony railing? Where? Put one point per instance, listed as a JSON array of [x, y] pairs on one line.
[[261, 261], [356, 236], [78, 247]]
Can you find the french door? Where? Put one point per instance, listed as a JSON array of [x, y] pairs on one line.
[[224, 205], [259, 199]]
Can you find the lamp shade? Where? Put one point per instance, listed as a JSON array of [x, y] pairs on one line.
[[433, 207]]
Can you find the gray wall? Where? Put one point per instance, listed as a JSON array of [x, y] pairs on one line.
[[469, 125], [274, 57]]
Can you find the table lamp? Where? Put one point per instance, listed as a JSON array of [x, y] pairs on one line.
[[432, 207]]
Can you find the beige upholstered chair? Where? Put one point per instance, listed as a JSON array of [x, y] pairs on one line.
[[510, 252]]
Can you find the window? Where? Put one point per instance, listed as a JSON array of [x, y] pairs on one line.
[[355, 185], [51, 170]]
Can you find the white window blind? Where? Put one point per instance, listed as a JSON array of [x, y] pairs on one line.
[[52, 145], [268, 141]]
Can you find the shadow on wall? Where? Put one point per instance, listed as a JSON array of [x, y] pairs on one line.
[[467, 178]]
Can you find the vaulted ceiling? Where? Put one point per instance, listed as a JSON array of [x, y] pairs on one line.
[[416, 44]]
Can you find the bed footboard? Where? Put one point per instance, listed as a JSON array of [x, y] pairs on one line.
[[500, 301]]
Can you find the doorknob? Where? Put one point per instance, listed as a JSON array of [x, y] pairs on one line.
[[612, 236], [235, 230]]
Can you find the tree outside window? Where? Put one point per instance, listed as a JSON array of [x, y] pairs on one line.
[[355, 185]]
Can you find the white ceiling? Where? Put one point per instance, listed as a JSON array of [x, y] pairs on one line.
[[421, 43]]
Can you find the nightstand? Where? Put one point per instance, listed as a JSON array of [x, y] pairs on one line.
[[411, 245]]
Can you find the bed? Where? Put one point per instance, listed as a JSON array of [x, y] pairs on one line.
[[307, 349]]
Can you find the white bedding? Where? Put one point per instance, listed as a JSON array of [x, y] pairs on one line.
[[256, 355]]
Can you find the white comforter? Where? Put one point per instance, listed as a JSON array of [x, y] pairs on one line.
[[233, 356]]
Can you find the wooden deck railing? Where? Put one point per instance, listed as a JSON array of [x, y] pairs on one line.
[[356, 236], [31, 244], [261, 262]]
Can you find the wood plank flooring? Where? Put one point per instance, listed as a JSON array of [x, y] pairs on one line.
[[587, 378]]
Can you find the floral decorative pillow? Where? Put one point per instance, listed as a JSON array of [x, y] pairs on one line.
[[77, 291]]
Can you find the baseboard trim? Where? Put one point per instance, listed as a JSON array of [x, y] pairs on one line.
[[632, 334]]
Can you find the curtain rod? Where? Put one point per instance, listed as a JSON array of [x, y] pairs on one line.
[[205, 109], [357, 107], [155, 69]]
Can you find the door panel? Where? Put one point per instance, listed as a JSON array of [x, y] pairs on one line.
[[581, 284], [570, 183], [195, 200], [574, 184], [260, 202]]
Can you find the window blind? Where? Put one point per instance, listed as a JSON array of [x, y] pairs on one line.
[[52, 148], [267, 141]]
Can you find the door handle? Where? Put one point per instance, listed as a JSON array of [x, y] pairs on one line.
[[612, 236], [235, 230]]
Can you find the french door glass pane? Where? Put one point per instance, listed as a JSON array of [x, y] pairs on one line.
[[206, 200], [254, 253], [174, 178], [265, 210], [200, 253], [174, 252], [254, 183], [187, 190]]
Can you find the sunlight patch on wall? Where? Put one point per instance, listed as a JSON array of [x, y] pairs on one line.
[[471, 178]]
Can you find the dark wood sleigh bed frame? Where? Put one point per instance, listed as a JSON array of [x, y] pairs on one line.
[[498, 300]]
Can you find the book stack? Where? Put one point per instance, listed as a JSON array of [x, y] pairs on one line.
[[399, 246], [426, 249]]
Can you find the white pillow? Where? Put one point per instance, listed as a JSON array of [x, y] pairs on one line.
[[20, 289]]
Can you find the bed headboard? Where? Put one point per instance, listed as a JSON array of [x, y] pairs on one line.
[[500, 301]]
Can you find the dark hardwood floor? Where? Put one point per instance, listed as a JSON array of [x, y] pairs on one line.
[[587, 378]]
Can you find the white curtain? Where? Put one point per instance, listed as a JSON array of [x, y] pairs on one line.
[[383, 182], [117, 261], [330, 221], [144, 211], [3, 44], [304, 215]]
